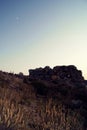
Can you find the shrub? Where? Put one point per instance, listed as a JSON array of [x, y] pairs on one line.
[[40, 88]]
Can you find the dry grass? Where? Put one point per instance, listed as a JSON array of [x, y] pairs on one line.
[[57, 117], [11, 114], [54, 116], [39, 115]]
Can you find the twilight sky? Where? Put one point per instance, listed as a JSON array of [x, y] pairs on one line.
[[36, 33]]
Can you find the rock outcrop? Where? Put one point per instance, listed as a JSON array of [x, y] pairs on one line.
[[57, 73], [61, 81]]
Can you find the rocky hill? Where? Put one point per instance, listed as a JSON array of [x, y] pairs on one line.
[[47, 99]]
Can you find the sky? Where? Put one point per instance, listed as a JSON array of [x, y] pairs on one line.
[[39, 33]]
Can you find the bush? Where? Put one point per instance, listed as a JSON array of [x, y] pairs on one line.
[[40, 88]]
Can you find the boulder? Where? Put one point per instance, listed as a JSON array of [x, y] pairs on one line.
[[40, 73], [68, 72]]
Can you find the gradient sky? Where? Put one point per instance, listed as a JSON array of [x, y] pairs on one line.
[[36, 33]]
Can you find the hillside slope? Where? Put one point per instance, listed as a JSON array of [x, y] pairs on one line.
[[47, 99]]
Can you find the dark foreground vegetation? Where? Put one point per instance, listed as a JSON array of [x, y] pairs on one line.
[[47, 99]]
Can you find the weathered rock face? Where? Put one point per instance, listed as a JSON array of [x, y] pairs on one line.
[[41, 73], [68, 72], [57, 73], [61, 80]]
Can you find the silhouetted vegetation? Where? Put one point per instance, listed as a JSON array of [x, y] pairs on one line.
[[49, 103]]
